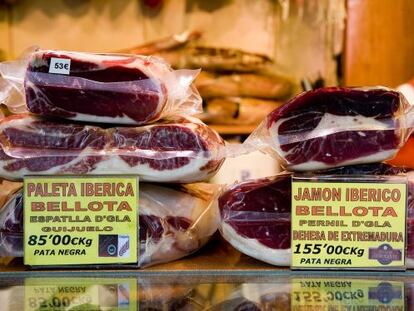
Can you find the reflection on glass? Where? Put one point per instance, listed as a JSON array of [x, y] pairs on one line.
[[241, 293]]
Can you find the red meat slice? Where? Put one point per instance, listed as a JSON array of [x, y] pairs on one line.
[[332, 127]]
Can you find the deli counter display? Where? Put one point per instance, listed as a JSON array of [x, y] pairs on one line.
[[206, 155]]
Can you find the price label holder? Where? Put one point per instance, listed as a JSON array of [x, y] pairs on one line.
[[80, 294], [80, 220], [346, 222], [315, 294]]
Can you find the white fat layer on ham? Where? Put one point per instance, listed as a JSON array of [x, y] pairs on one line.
[[184, 174], [251, 247], [375, 157], [115, 165], [157, 200], [327, 126], [92, 118]]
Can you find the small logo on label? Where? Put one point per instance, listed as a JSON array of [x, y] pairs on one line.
[[385, 254], [108, 245], [113, 245], [385, 292]]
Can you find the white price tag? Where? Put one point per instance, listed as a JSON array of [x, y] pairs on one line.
[[59, 65]]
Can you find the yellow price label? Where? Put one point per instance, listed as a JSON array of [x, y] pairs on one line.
[[348, 224], [80, 294], [315, 294], [80, 220]]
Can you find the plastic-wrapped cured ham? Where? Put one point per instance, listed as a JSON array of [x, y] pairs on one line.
[[181, 149], [174, 221], [332, 127], [255, 215], [105, 88]]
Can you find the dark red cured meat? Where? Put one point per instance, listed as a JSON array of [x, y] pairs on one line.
[[160, 138], [303, 114], [53, 136], [32, 145], [256, 207], [260, 209], [97, 88]]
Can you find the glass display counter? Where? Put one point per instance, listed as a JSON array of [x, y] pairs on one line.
[[217, 278]]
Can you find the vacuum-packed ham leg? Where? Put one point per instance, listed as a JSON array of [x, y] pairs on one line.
[[182, 149], [173, 222], [105, 88], [332, 127]]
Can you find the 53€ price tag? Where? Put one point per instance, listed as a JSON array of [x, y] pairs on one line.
[[350, 224], [80, 220], [59, 65]]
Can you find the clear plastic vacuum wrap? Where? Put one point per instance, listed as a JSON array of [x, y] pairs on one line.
[[331, 127], [180, 149], [105, 88], [174, 221], [256, 214]]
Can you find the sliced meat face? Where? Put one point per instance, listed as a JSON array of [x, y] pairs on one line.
[[182, 149], [332, 127]]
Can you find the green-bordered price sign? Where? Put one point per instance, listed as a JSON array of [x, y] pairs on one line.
[[75, 220], [349, 224]]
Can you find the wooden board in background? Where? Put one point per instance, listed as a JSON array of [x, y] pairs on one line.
[[379, 42]]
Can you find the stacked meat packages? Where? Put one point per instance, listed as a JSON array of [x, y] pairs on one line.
[[325, 132], [84, 113]]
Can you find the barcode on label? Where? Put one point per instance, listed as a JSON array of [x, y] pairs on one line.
[[59, 66]]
